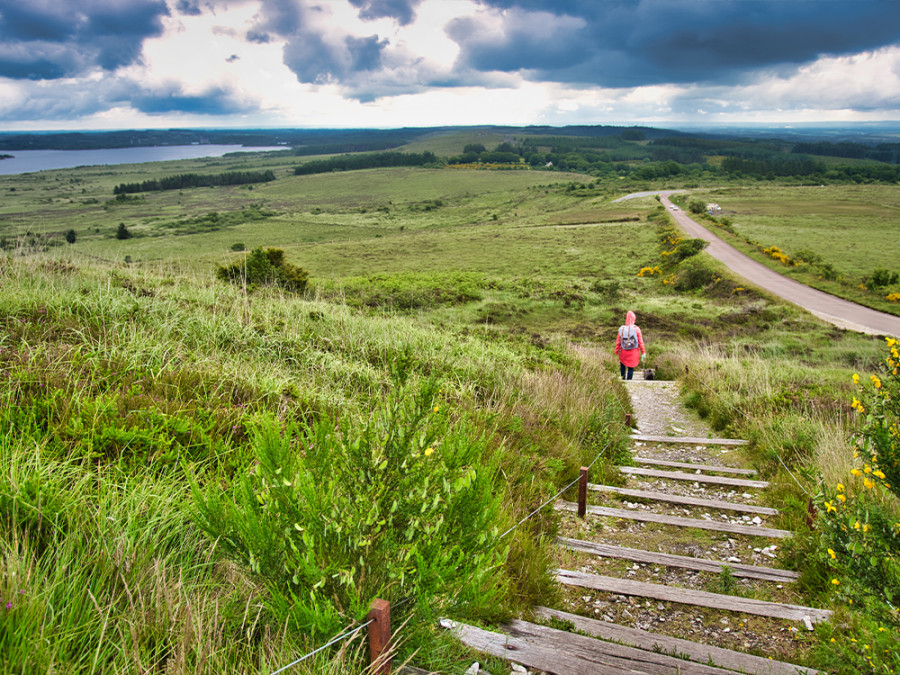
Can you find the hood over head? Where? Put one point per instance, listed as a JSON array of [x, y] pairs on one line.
[[630, 318]]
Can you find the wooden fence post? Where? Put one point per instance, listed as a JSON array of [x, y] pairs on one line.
[[380, 635], [582, 492], [811, 512]]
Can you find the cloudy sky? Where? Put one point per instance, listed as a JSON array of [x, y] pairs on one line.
[[104, 64]]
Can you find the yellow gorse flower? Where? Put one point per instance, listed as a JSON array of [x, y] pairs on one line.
[[832, 554], [842, 498], [876, 381]]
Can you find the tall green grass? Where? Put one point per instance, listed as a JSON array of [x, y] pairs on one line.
[[119, 384]]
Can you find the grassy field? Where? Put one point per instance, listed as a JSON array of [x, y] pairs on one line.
[[457, 331]]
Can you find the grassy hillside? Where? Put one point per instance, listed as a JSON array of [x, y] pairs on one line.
[[205, 476]]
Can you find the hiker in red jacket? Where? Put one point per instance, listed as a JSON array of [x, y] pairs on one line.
[[629, 346]]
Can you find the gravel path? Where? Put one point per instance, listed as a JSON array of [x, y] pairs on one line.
[[659, 412]]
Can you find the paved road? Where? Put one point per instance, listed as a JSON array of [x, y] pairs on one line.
[[840, 312]]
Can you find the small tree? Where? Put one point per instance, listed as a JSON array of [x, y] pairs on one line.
[[71, 236], [268, 268], [122, 232]]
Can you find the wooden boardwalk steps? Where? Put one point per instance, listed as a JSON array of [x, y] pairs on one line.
[[701, 467], [689, 596], [647, 517], [688, 440], [634, 637], [694, 477], [687, 501], [593, 647], [685, 562], [561, 652]]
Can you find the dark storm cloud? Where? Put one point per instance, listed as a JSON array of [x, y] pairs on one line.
[[404, 11], [215, 101], [314, 57], [48, 39], [639, 42]]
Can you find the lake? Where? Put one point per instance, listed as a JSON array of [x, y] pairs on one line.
[[26, 161]]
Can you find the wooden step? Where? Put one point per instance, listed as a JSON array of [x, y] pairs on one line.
[[695, 477], [687, 501], [641, 639], [688, 596], [686, 562], [647, 517], [558, 651], [701, 467], [687, 440]]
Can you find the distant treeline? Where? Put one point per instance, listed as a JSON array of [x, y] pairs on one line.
[[192, 180], [369, 161], [883, 152]]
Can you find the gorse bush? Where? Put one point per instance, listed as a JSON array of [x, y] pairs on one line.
[[857, 556], [335, 515], [266, 268], [879, 441]]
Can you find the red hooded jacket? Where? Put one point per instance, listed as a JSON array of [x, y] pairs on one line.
[[630, 358]]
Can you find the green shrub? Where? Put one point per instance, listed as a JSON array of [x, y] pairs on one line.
[[692, 274], [265, 268], [336, 514], [879, 278], [688, 248]]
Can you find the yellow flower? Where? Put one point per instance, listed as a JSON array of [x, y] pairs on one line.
[[832, 554], [879, 474], [836, 582], [436, 408], [842, 498], [869, 483], [855, 378], [840, 486], [865, 528], [829, 507], [890, 342], [856, 525], [867, 468], [429, 451], [856, 472]]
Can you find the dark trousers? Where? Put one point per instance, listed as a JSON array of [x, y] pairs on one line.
[[623, 368]]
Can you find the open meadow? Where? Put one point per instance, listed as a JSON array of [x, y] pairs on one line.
[[206, 476]]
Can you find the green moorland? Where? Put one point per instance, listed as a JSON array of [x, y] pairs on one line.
[[203, 476]]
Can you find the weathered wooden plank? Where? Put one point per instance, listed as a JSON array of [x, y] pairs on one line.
[[689, 596], [531, 655], [677, 521], [694, 477], [688, 440], [701, 467], [587, 647], [557, 651], [687, 501], [635, 637], [685, 562]]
